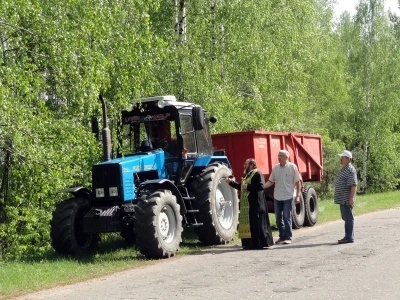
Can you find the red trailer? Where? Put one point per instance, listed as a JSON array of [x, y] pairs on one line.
[[305, 150]]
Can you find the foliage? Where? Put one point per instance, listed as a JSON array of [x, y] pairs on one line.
[[372, 65]]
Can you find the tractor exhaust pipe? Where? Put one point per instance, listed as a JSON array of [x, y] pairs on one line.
[[105, 132]]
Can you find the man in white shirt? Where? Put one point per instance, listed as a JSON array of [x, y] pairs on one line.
[[286, 178]]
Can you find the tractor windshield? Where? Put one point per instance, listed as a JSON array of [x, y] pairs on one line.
[[146, 132]]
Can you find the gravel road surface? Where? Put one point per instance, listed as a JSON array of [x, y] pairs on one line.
[[313, 267]]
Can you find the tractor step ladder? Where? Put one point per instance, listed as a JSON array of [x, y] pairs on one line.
[[190, 216]]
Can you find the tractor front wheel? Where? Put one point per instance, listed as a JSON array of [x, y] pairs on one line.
[[66, 230], [158, 225]]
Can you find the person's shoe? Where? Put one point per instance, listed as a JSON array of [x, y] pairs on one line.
[[279, 241], [287, 242], [248, 248], [345, 241]]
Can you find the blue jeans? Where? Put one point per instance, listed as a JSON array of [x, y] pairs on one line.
[[283, 215], [348, 218]]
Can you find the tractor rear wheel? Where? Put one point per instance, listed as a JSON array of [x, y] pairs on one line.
[[66, 230], [311, 206], [218, 205], [158, 225]]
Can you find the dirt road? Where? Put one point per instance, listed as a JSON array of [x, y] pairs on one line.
[[313, 267]]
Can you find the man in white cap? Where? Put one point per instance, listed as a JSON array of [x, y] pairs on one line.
[[286, 178], [345, 194]]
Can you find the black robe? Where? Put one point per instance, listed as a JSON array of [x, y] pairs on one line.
[[260, 227]]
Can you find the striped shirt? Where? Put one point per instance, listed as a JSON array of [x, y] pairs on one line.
[[346, 178]]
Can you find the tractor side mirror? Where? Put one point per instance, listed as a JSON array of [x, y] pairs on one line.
[[197, 117], [213, 119], [95, 126]]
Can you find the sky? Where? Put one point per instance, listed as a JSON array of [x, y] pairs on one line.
[[350, 5]]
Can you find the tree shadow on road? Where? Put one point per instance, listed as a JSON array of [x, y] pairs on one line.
[[234, 248], [297, 246]]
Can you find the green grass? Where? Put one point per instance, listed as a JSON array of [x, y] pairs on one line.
[[328, 211], [50, 270], [21, 277]]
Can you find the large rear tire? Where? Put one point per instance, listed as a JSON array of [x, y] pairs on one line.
[[311, 206], [66, 229], [298, 212], [158, 225], [218, 205]]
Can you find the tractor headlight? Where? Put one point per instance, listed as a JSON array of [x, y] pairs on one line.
[[100, 193], [113, 192], [161, 103]]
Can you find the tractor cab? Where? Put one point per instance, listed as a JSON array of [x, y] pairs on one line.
[[161, 123]]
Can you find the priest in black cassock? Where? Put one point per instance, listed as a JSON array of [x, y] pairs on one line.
[[252, 190]]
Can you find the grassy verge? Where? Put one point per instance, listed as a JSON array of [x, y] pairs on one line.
[[22, 277]]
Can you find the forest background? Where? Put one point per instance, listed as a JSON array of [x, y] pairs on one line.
[[276, 65]]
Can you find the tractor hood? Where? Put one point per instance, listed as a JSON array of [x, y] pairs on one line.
[[119, 172], [140, 162]]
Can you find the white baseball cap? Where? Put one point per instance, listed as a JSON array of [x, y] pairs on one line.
[[346, 153]]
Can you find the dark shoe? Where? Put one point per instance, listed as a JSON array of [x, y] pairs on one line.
[[345, 241], [278, 241], [248, 248]]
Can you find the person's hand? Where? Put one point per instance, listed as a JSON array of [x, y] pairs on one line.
[[297, 200], [244, 186], [351, 203]]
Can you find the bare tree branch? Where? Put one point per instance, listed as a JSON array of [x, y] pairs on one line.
[[14, 26]]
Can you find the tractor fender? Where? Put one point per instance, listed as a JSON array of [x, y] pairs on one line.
[[166, 184], [205, 161], [79, 192]]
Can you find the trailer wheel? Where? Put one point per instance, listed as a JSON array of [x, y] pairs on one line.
[[298, 212], [158, 225], [66, 229], [311, 206], [218, 205]]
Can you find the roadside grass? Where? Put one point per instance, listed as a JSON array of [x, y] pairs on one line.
[[328, 211], [25, 276], [29, 275]]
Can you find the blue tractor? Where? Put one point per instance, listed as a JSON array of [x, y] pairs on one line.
[[164, 176]]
